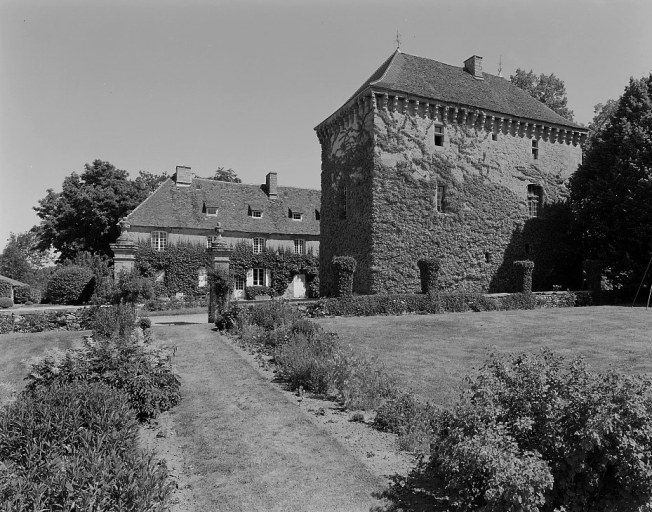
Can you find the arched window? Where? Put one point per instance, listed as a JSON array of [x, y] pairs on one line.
[[534, 200]]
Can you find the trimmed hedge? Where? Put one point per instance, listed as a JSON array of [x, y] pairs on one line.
[[71, 284], [344, 267], [5, 289], [454, 302], [23, 294], [6, 302], [429, 269]]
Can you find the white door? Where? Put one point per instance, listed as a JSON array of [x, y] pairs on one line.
[[299, 286]]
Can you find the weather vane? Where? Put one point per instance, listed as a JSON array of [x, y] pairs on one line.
[[398, 40], [500, 66]]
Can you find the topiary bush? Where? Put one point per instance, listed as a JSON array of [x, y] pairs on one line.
[[429, 271], [6, 302], [75, 446], [5, 289], [524, 271], [71, 284], [344, 267], [24, 294]]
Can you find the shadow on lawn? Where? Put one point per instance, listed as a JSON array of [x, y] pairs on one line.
[[416, 492]]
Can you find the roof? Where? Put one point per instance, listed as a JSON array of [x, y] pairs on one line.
[[171, 206], [11, 281], [427, 78]]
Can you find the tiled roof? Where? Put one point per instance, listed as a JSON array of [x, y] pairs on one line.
[[171, 206], [430, 79], [12, 282]]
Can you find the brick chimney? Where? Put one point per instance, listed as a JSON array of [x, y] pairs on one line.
[[183, 177], [270, 181], [473, 65]]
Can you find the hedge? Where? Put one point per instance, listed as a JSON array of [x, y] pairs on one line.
[[71, 284], [454, 302], [74, 320]]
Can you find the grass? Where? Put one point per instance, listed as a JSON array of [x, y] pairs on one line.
[[15, 348], [431, 354]]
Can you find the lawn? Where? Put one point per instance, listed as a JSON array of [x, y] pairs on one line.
[[15, 348], [432, 354]]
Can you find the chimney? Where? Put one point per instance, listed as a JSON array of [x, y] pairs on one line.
[[473, 65], [183, 177], [270, 180]]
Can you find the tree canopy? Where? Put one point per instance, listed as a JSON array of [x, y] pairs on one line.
[[223, 174], [84, 215], [21, 258], [548, 89], [611, 191]]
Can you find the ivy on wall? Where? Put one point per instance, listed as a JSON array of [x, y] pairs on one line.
[[283, 263], [180, 262]]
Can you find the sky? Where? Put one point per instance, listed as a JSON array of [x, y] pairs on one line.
[[241, 84]]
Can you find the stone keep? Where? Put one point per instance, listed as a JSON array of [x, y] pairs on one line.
[[428, 160]]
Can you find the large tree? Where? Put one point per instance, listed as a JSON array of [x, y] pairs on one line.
[[548, 89], [21, 258], [223, 174], [611, 193], [84, 215]]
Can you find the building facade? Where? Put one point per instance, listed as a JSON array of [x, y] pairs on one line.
[[188, 209], [428, 160]]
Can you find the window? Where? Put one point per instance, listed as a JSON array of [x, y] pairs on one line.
[[317, 215], [259, 277], [211, 211], [239, 283], [535, 149], [441, 191], [494, 136], [534, 200], [439, 135], [299, 247], [296, 216], [202, 278], [159, 240], [211, 241], [256, 214], [259, 245]]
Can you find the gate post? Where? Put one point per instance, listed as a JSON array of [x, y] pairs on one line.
[[220, 254]]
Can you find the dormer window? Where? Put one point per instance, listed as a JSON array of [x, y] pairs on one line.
[[211, 211], [256, 214]]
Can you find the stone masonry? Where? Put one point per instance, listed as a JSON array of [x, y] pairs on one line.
[[407, 178]]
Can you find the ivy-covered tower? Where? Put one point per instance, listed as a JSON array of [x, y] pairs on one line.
[[428, 160]]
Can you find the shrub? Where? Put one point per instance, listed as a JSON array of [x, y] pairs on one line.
[[145, 323], [6, 302], [26, 294], [75, 447], [429, 273], [113, 321], [518, 301], [229, 319], [272, 315], [536, 428], [251, 292], [132, 288], [5, 289], [344, 267], [70, 284], [144, 374], [524, 269]]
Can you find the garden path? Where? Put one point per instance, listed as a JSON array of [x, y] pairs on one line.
[[244, 444]]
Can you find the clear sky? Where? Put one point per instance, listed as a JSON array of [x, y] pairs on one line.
[[153, 84]]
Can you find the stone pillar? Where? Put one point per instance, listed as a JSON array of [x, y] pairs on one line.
[[524, 270], [429, 269], [220, 254], [124, 251]]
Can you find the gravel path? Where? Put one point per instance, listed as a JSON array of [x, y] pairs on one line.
[[244, 445]]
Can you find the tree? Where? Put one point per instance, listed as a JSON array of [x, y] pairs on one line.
[[21, 258], [611, 191], [84, 215], [223, 174], [150, 181], [602, 116], [548, 89]]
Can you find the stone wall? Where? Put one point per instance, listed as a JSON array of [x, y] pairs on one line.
[[391, 167], [484, 225], [347, 166]]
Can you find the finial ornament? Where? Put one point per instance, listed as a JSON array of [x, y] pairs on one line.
[[398, 41], [500, 66]]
